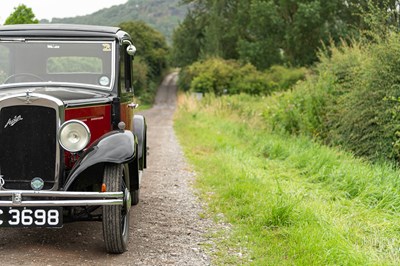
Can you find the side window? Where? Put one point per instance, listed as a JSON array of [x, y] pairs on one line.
[[125, 70], [4, 62]]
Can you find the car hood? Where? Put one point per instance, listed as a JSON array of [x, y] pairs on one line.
[[70, 96]]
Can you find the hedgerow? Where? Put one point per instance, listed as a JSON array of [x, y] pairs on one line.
[[365, 119], [352, 101]]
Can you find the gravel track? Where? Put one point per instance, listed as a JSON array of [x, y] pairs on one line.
[[165, 226]]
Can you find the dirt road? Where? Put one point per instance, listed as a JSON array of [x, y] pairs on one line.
[[165, 226]]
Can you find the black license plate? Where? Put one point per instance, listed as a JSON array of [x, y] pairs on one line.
[[31, 217]]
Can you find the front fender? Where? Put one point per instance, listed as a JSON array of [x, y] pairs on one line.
[[114, 147]]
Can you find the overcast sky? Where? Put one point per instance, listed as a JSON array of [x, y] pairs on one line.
[[48, 9]]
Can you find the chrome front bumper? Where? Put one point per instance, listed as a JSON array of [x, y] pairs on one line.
[[59, 198]]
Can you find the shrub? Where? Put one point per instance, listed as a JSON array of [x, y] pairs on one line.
[[301, 110], [365, 119], [249, 80], [220, 76], [352, 101], [215, 76], [211, 76], [285, 77], [307, 109]]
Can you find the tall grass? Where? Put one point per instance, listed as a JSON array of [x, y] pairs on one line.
[[290, 201]]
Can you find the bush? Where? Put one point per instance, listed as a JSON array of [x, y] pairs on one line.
[[285, 77], [353, 101], [301, 110], [307, 109], [220, 76], [365, 119], [253, 82], [215, 76]]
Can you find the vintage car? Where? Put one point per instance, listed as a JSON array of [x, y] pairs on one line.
[[71, 147]]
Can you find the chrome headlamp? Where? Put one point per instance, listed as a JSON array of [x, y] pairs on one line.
[[74, 135]]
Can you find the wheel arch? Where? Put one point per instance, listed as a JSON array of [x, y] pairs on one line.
[[119, 147]]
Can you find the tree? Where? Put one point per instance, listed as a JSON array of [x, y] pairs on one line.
[[21, 15], [208, 30], [221, 34], [151, 46], [187, 41], [268, 32], [294, 28], [262, 38]]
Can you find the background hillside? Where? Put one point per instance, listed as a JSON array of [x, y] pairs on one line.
[[163, 15]]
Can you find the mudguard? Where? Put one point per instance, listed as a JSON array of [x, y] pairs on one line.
[[114, 147]]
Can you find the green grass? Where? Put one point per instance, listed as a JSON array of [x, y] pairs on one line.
[[289, 200]]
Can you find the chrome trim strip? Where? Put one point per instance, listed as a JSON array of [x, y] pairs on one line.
[[62, 194], [90, 102], [62, 203], [35, 99], [82, 198]]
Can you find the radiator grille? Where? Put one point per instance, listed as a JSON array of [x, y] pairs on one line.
[[27, 145]]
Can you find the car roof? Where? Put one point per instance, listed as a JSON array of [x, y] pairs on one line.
[[61, 30]]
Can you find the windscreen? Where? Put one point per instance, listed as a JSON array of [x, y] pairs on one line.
[[61, 62]]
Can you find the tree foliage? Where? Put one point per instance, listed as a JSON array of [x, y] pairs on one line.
[[150, 60], [268, 32], [21, 15], [150, 44], [187, 41]]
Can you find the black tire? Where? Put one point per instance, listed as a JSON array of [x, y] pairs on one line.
[[145, 152], [116, 217], [135, 196], [140, 131], [135, 190]]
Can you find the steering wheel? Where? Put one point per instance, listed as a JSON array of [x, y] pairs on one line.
[[22, 74]]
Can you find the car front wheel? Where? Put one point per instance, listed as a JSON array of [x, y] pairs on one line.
[[116, 217]]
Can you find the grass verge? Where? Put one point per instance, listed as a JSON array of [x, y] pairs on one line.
[[289, 200]]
